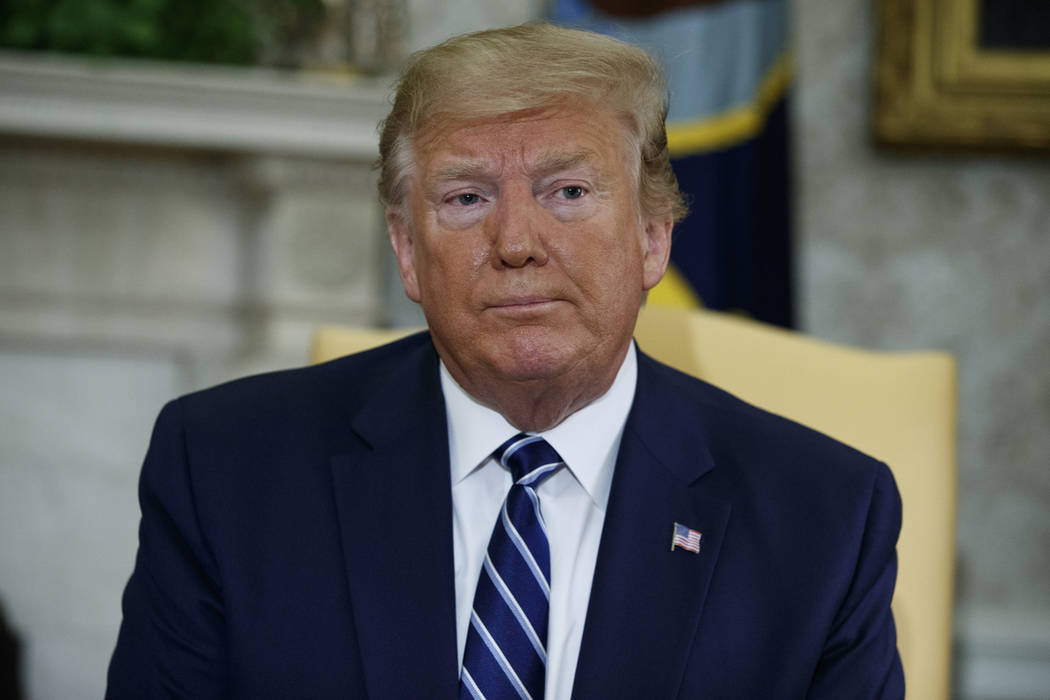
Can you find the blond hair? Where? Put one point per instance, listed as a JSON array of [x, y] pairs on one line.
[[499, 72]]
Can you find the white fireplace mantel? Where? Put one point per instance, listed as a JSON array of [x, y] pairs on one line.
[[243, 214], [234, 109]]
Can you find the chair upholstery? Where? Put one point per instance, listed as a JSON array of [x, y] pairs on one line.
[[898, 407], [330, 342]]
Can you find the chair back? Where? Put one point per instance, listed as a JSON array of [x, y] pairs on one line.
[[897, 407]]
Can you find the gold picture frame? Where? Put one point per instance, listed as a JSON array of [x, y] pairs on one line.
[[935, 86]]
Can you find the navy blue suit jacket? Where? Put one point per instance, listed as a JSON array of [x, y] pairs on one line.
[[296, 542]]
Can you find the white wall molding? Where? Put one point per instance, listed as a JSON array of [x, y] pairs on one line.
[[190, 106]]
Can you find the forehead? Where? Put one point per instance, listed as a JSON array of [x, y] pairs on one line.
[[548, 139]]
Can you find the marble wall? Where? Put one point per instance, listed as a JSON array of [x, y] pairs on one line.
[[132, 271], [431, 22], [951, 252]]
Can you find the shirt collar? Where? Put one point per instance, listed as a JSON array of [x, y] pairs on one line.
[[587, 440]]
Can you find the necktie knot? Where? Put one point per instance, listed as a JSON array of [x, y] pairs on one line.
[[530, 458]]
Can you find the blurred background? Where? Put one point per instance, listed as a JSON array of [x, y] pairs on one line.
[[186, 193]]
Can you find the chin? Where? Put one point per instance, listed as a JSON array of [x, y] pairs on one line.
[[535, 353]]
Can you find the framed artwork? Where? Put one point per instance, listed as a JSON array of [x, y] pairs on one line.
[[963, 73]]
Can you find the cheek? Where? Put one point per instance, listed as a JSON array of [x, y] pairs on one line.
[[479, 256], [451, 261], [593, 261], [605, 248]]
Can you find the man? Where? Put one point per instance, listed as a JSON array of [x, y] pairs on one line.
[[517, 503]]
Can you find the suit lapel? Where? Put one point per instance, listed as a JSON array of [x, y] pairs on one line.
[[646, 600], [393, 493]]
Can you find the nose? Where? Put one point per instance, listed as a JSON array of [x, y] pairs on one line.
[[515, 229]]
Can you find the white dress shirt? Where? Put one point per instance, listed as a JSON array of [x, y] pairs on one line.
[[572, 501]]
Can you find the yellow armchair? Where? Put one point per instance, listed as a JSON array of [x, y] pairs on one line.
[[898, 407]]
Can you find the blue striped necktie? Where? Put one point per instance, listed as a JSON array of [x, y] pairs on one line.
[[506, 649]]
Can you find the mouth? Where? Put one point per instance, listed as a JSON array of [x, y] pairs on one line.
[[523, 305]]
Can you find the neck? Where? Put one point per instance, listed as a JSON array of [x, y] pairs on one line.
[[536, 405]]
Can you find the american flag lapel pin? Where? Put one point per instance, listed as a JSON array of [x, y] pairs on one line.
[[685, 538]]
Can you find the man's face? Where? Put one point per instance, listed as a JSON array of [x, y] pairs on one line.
[[524, 243]]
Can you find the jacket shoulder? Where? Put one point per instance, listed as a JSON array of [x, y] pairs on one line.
[[354, 373], [316, 399]]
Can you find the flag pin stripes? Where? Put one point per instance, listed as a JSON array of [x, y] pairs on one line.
[[685, 538]]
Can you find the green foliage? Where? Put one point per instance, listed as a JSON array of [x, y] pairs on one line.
[[211, 31]]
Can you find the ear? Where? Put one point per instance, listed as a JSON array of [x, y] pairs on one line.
[[400, 232], [656, 242]]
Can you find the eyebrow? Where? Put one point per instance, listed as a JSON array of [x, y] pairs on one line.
[[470, 170], [546, 164], [556, 161]]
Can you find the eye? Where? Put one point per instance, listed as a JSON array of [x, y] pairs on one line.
[[572, 191], [467, 198]]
